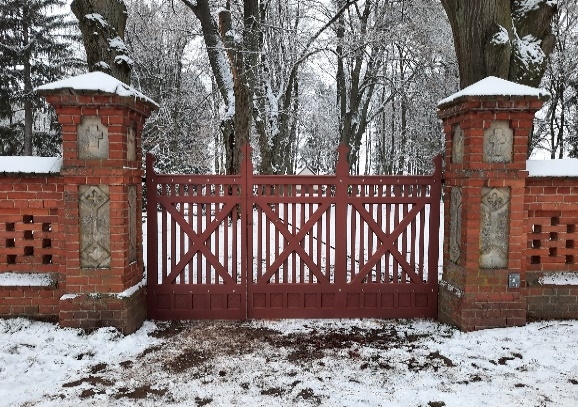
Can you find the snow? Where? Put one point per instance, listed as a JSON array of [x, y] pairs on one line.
[[102, 65], [530, 50], [225, 71], [564, 278], [30, 165], [526, 6], [492, 86], [417, 363], [458, 293], [567, 167], [501, 37], [131, 290], [96, 82], [97, 18], [26, 280], [68, 297], [117, 44], [124, 294], [119, 59], [38, 358]]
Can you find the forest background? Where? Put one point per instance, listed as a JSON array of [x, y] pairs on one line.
[[297, 78]]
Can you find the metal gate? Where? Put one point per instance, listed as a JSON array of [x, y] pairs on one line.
[[270, 246]]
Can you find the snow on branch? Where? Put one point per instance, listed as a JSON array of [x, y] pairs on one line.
[[97, 18]]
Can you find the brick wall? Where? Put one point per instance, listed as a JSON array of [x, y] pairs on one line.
[[71, 244], [552, 242], [510, 244], [31, 256], [472, 295]]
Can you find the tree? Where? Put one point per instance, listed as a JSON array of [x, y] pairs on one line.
[[556, 130], [102, 23], [35, 44], [179, 133], [229, 70], [241, 64], [509, 39], [318, 127], [418, 70], [359, 50]]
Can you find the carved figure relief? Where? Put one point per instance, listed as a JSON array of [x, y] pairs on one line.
[[495, 227], [130, 144], [498, 143], [92, 139], [94, 208], [458, 145], [455, 224], [132, 223]]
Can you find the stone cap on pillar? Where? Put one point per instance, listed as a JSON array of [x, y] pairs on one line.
[[492, 92], [95, 84]]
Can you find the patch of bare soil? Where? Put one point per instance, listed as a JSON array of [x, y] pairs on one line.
[[141, 392], [203, 401], [187, 359], [505, 359], [98, 368], [308, 394], [92, 380]]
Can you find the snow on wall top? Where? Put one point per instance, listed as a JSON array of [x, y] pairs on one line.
[[553, 278], [26, 280], [553, 168], [30, 165], [492, 86], [96, 82]]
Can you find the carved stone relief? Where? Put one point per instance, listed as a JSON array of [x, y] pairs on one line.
[[458, 145], [94, 208], [495, 228], [132, 223], [92, 139], [498, 143], [455, 224], [130, 144]]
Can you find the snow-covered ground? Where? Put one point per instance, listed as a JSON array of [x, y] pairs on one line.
[[289, 363]]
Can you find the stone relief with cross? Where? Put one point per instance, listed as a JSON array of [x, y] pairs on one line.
[[498, 143], [94, 211], [92, 139], [494, 227]]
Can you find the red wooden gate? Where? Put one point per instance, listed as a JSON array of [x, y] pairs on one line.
[[261, 246]]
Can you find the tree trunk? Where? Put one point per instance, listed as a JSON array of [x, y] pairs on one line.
[[341, 88], [102, 24], [234, 75], [501, 38]]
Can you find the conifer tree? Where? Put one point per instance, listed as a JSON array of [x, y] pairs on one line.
[[35, 39]]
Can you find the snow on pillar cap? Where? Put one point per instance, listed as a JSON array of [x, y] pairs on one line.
[[94, 83], [492, 86]]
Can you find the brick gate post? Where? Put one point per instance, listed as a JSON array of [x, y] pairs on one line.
[[487, 128], [102, 121]]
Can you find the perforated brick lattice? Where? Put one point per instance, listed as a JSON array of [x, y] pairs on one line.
[[28, 241], [551, 242]]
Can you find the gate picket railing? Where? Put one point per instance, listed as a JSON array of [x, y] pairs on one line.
[[266, 246]]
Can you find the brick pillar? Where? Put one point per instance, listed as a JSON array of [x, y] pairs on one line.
[[102, 174], [486, 149]]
